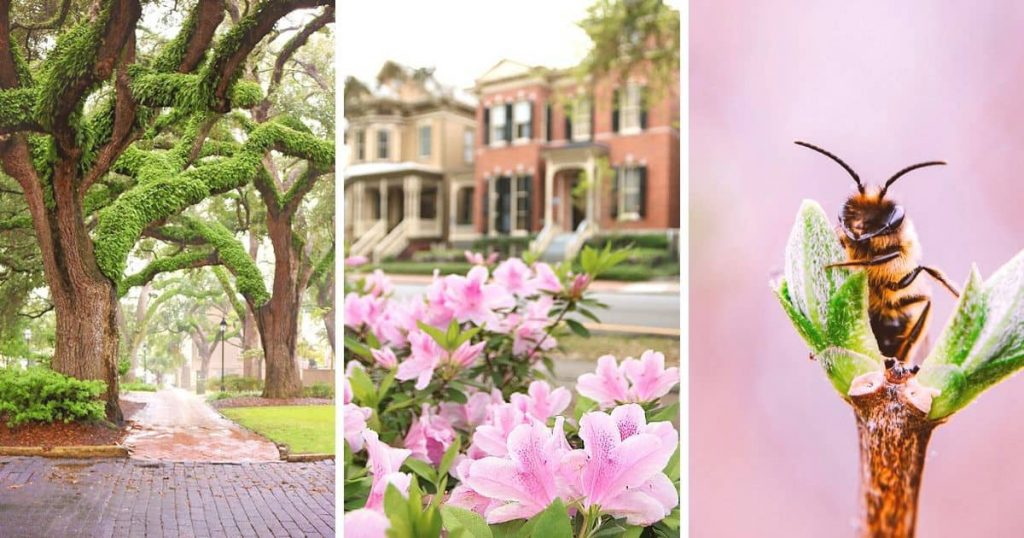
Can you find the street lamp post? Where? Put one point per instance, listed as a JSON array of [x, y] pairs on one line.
[[223, 328]]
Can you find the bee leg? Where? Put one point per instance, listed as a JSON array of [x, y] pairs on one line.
[[935, 273], [877, 260], [914, 334], [941, 277]]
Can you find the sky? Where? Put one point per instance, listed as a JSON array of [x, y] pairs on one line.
[[462, 39]]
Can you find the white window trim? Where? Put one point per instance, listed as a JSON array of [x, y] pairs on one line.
[[513, 191], [359, 146], [630, 108], [496, 141], [387, 145], [468, 145], [419, 140], [624, 215], [581, 129], [528, 106]]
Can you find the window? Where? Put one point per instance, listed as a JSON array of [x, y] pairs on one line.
[[522, 117], [464, 206], [428, 203], [360, 145], [632, 180], [468, 145], [523, 203], [581, 120], [425, 133], [631, 107], [373, 202], [498, 121], [383, 141]]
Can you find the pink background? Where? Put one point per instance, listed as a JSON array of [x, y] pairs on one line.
[[883, 85]]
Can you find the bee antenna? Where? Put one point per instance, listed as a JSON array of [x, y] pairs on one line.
[[856, 178], [910, 168]]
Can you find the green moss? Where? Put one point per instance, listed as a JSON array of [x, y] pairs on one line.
[[17, 107], [248, 278], [73, 58]]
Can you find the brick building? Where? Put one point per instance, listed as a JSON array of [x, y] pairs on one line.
[[561, 162]]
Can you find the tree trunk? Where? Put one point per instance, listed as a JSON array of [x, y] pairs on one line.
[[278, 318], [325, 300], [894, 432], [87, 337], [250, 338]]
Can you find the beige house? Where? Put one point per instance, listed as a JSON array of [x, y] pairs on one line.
[[409, 180]]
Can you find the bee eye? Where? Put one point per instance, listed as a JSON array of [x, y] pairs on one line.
[[895, 218]]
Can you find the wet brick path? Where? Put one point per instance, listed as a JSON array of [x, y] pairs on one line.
[[125, 498]]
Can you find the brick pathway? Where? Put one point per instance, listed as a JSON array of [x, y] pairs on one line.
[[125, 498]]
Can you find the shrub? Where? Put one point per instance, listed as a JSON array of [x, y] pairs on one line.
[[622, 240], [506, 246], [318, 390], [137, 386], [236, 383], [42, 395]]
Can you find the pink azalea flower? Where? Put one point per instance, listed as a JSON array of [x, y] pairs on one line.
[[355, 261], [384, 462], [429, 437], [532, 328], [491, 438], [438, 311], [607, 385], [546, 279], [385, 357], [472, 413], [425, 357], [649, 377], [346, 391], [579, 285], [365, 523], [355, 424], [361, 310], [528, 480], [471, 298], [620, 467], [377, 283], [542, 402], [464, 496], [466, 353], [515, 276]]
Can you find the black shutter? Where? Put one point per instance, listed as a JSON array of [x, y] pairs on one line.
[[615, 192], [547, 122], [529, 204], [531, 122], [615, 110], [643, 108], [643, 191], [508, 122], [592, 115], [487, 204], [487, 126], [568, 124]]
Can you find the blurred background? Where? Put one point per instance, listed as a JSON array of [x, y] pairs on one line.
[[773, 448]]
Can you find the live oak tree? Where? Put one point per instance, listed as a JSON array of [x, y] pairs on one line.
[[81, 130], [285, 185]]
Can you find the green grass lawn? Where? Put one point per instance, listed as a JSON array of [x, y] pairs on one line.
[[307, 429]]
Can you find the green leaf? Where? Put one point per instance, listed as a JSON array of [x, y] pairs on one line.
[[358, 348], [457, 519], [449, 457], [849, 325], [453, 394], [815, 340], [843, 365], [672, 469], [451, 334], [812, 246], [508, 529], [422, 468], [962, 330], [362, 388], [583, 405], [439, 336], [553, 522], [385, 385], [396, 508], [577, 328], [666, 413]]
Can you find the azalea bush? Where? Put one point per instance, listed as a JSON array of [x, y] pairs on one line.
[[454, 426], [897, 405]]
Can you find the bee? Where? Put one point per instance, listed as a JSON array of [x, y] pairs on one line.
[[878, 237]]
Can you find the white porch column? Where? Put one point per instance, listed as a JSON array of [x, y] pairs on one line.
[[382, 188], [356, 218], [549, 193], [411, 189]]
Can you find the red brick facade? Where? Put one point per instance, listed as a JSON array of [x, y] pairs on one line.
[[655, 147]]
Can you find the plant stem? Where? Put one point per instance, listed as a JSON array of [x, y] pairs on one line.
[[894, 436]]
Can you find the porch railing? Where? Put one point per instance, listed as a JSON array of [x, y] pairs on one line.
[[543, 239], [393, 243], [584, 231], [364, 245]]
